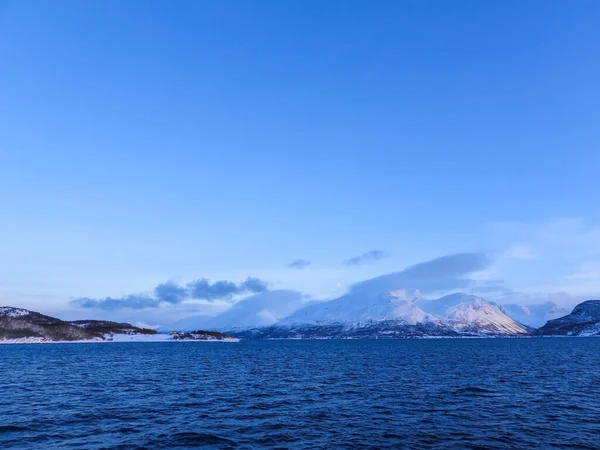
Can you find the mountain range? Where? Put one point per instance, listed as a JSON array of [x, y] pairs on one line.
[[396, 314]]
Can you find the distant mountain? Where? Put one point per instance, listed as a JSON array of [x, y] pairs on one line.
[[104, 327], [17, 323], [534, 315], [393, 315], [583, 321]]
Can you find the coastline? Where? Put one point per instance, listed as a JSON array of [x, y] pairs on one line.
[[118, 338], [166, 338]]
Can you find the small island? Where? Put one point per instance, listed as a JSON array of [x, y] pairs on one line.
[[202, 335]]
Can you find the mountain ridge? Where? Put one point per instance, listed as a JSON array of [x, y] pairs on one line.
[[397, 314], [19, 323], [394, 314], [584, 320]]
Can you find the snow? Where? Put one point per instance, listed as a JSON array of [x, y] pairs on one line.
[[40, 340], [138, 338], [464, 312], [461, 312], [361, 309], [592, 330], [114, 338], [13, 312], [161, 337]]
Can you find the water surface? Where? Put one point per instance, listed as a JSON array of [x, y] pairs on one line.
[[442, 393]]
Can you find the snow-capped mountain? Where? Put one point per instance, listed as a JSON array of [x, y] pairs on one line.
[[357, 309], [469, 313], [534, 315], [395, 314]]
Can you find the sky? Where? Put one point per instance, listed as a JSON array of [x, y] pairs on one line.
[[305, 146]]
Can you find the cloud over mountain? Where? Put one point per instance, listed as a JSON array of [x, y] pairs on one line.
[[440, 274], [262, 309]]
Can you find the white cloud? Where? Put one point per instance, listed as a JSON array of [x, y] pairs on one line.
[[545, 258], [587, 271], [518, 252]]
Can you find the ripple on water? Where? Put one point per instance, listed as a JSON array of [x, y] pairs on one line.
[[429, 394]]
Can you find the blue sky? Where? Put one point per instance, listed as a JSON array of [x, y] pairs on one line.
[[148, 141]]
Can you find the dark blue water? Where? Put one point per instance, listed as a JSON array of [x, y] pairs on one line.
[[469, 393]]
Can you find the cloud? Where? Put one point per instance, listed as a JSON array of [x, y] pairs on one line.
[[440, 274], [254, 286], [261, 309], [558, 255], [203, 289], [494, 290], [172, 293], [587, 271], [585, 276], [371, 256], [563, 299], [110, 304], [519, 252], [298, 264]]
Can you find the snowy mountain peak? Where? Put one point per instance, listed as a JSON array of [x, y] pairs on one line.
[[470, 313], [361, 309], [456, 313]]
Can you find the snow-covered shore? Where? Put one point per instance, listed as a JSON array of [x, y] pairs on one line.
[[114, 338]]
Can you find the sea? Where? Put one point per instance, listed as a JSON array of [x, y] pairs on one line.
[[527, 393]]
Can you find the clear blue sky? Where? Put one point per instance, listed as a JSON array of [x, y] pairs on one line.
[[142, 141]]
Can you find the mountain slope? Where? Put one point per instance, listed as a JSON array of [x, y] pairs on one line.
[[17, 323], [393, 315], [472, 314], [353, 309], [107, 327], [583, 321]]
